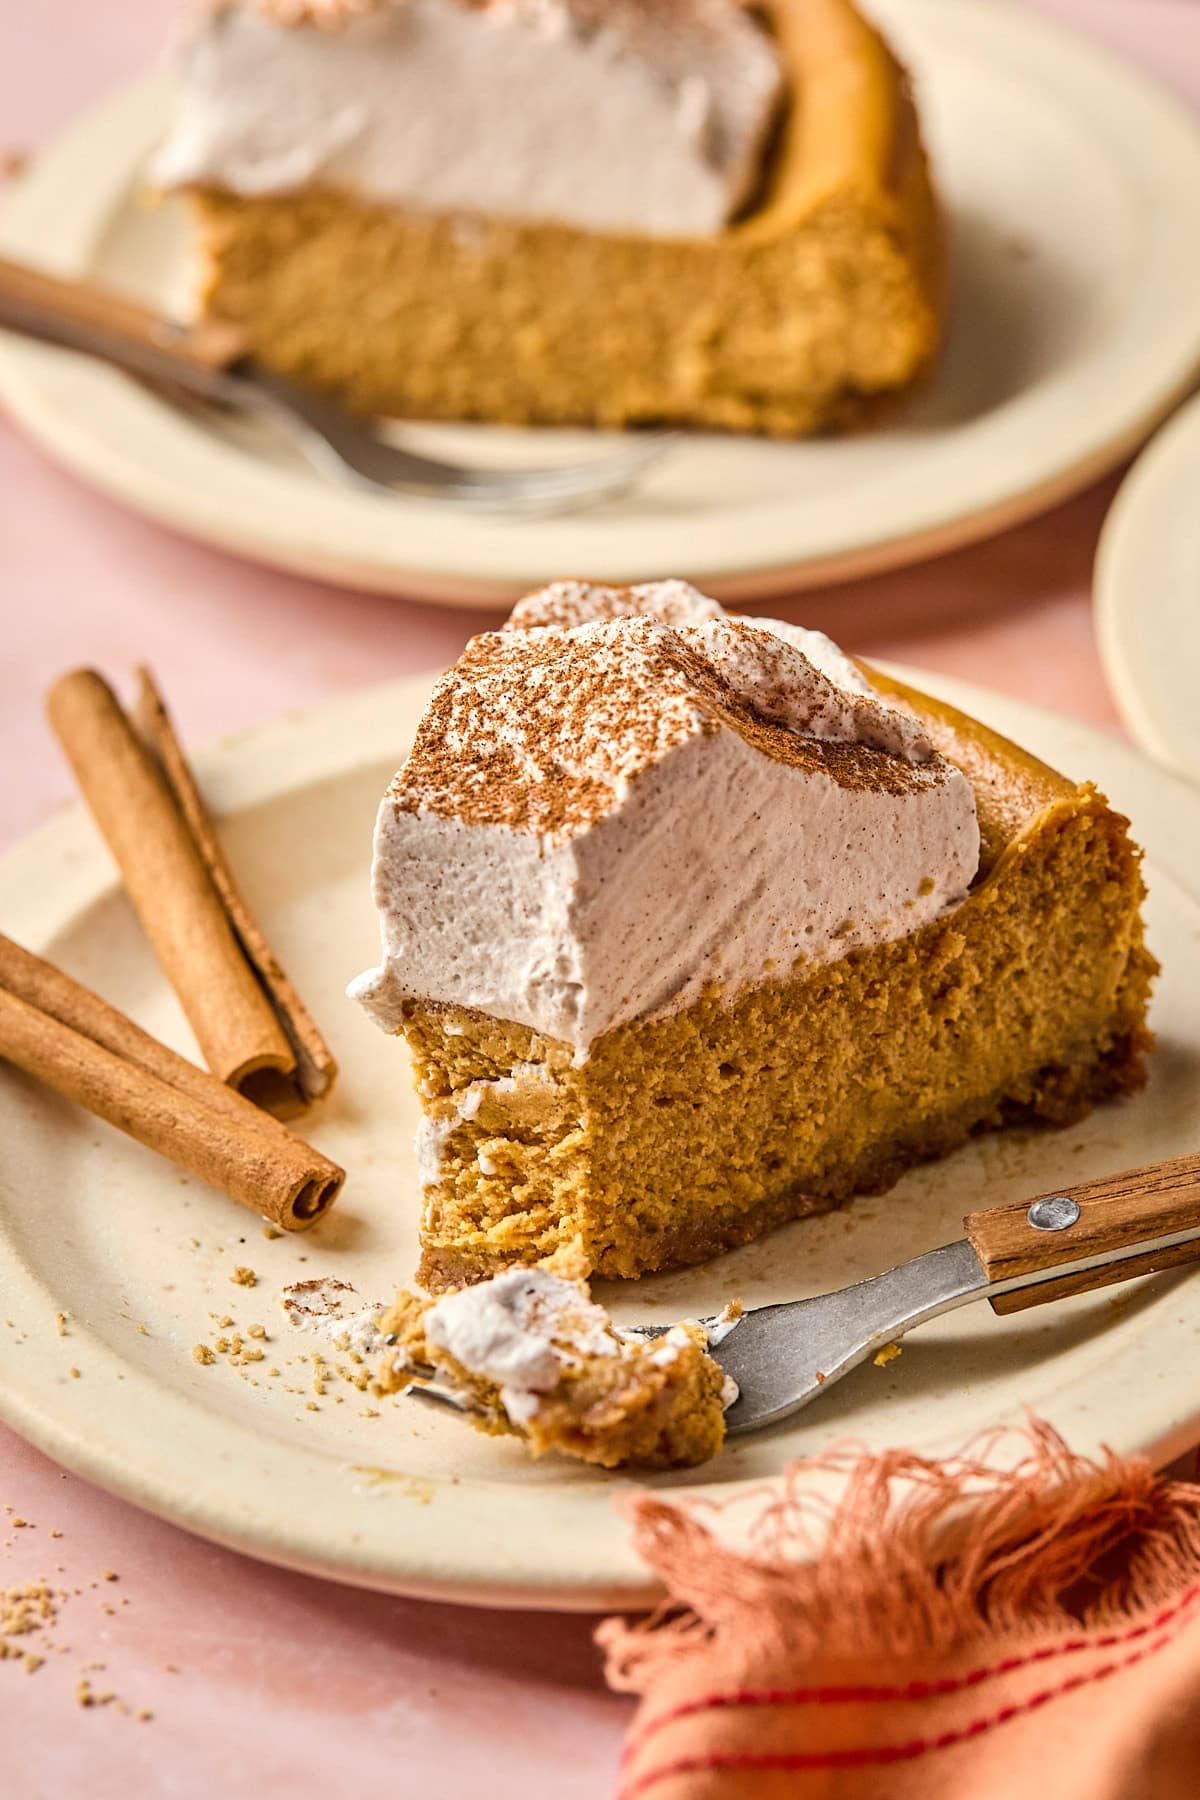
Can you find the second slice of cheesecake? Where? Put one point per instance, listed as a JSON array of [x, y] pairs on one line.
[[607, 212], [694, 926]]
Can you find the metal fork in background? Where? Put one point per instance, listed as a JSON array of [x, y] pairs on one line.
[[208, 362]]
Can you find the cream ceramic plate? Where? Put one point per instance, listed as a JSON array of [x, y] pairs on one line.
[[1074, 328], [1148, 595], [415, 1501]]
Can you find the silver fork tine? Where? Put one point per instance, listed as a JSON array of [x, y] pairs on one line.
[[424, 1385], [782, 1356], [335, 441], [434, 1395]]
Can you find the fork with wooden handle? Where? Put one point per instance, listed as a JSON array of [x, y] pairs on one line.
[[1087, 1235], [1082, 1236]]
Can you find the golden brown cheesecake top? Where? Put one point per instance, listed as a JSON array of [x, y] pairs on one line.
[[1013, 787]]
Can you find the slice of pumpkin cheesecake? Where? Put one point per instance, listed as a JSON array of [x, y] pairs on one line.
[[693, 926], [604, 212]]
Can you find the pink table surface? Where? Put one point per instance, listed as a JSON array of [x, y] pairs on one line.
[[262, 1682]]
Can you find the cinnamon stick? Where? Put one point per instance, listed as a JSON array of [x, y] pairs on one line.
[[252, 1030], [67, 1036], [315, 1068]]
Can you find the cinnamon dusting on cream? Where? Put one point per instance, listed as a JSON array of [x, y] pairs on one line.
[[542, 725], [628, 797]]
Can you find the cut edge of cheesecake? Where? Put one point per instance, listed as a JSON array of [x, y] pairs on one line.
[[822, 302], [683, 1135]]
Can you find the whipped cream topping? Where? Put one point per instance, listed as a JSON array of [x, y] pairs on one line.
[[627, 796], [642, 116], [333, 1309], [521, 1330]]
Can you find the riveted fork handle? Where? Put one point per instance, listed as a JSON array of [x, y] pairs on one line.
[[82, 315], [1086, 1219]]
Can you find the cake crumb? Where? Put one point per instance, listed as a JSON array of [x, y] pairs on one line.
[[30, 1607], [86, 1694], [256, 1331], [73, 1373], [244, 1277], [202, 1354], [271, 1231], [888, 1354], [60, 1323]]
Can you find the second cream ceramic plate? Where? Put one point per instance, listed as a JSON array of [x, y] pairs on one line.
[[1071, 184], [1148, 595], [324, 1477]]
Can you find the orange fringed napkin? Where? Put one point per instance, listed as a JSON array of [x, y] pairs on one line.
[[962, 1635]]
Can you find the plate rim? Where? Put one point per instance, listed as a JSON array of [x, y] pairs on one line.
[[244, 771], [1144, 699], [1167, 135]]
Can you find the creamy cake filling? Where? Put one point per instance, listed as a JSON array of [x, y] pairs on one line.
[[488, 1103], [628, 796], [639, 116]]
